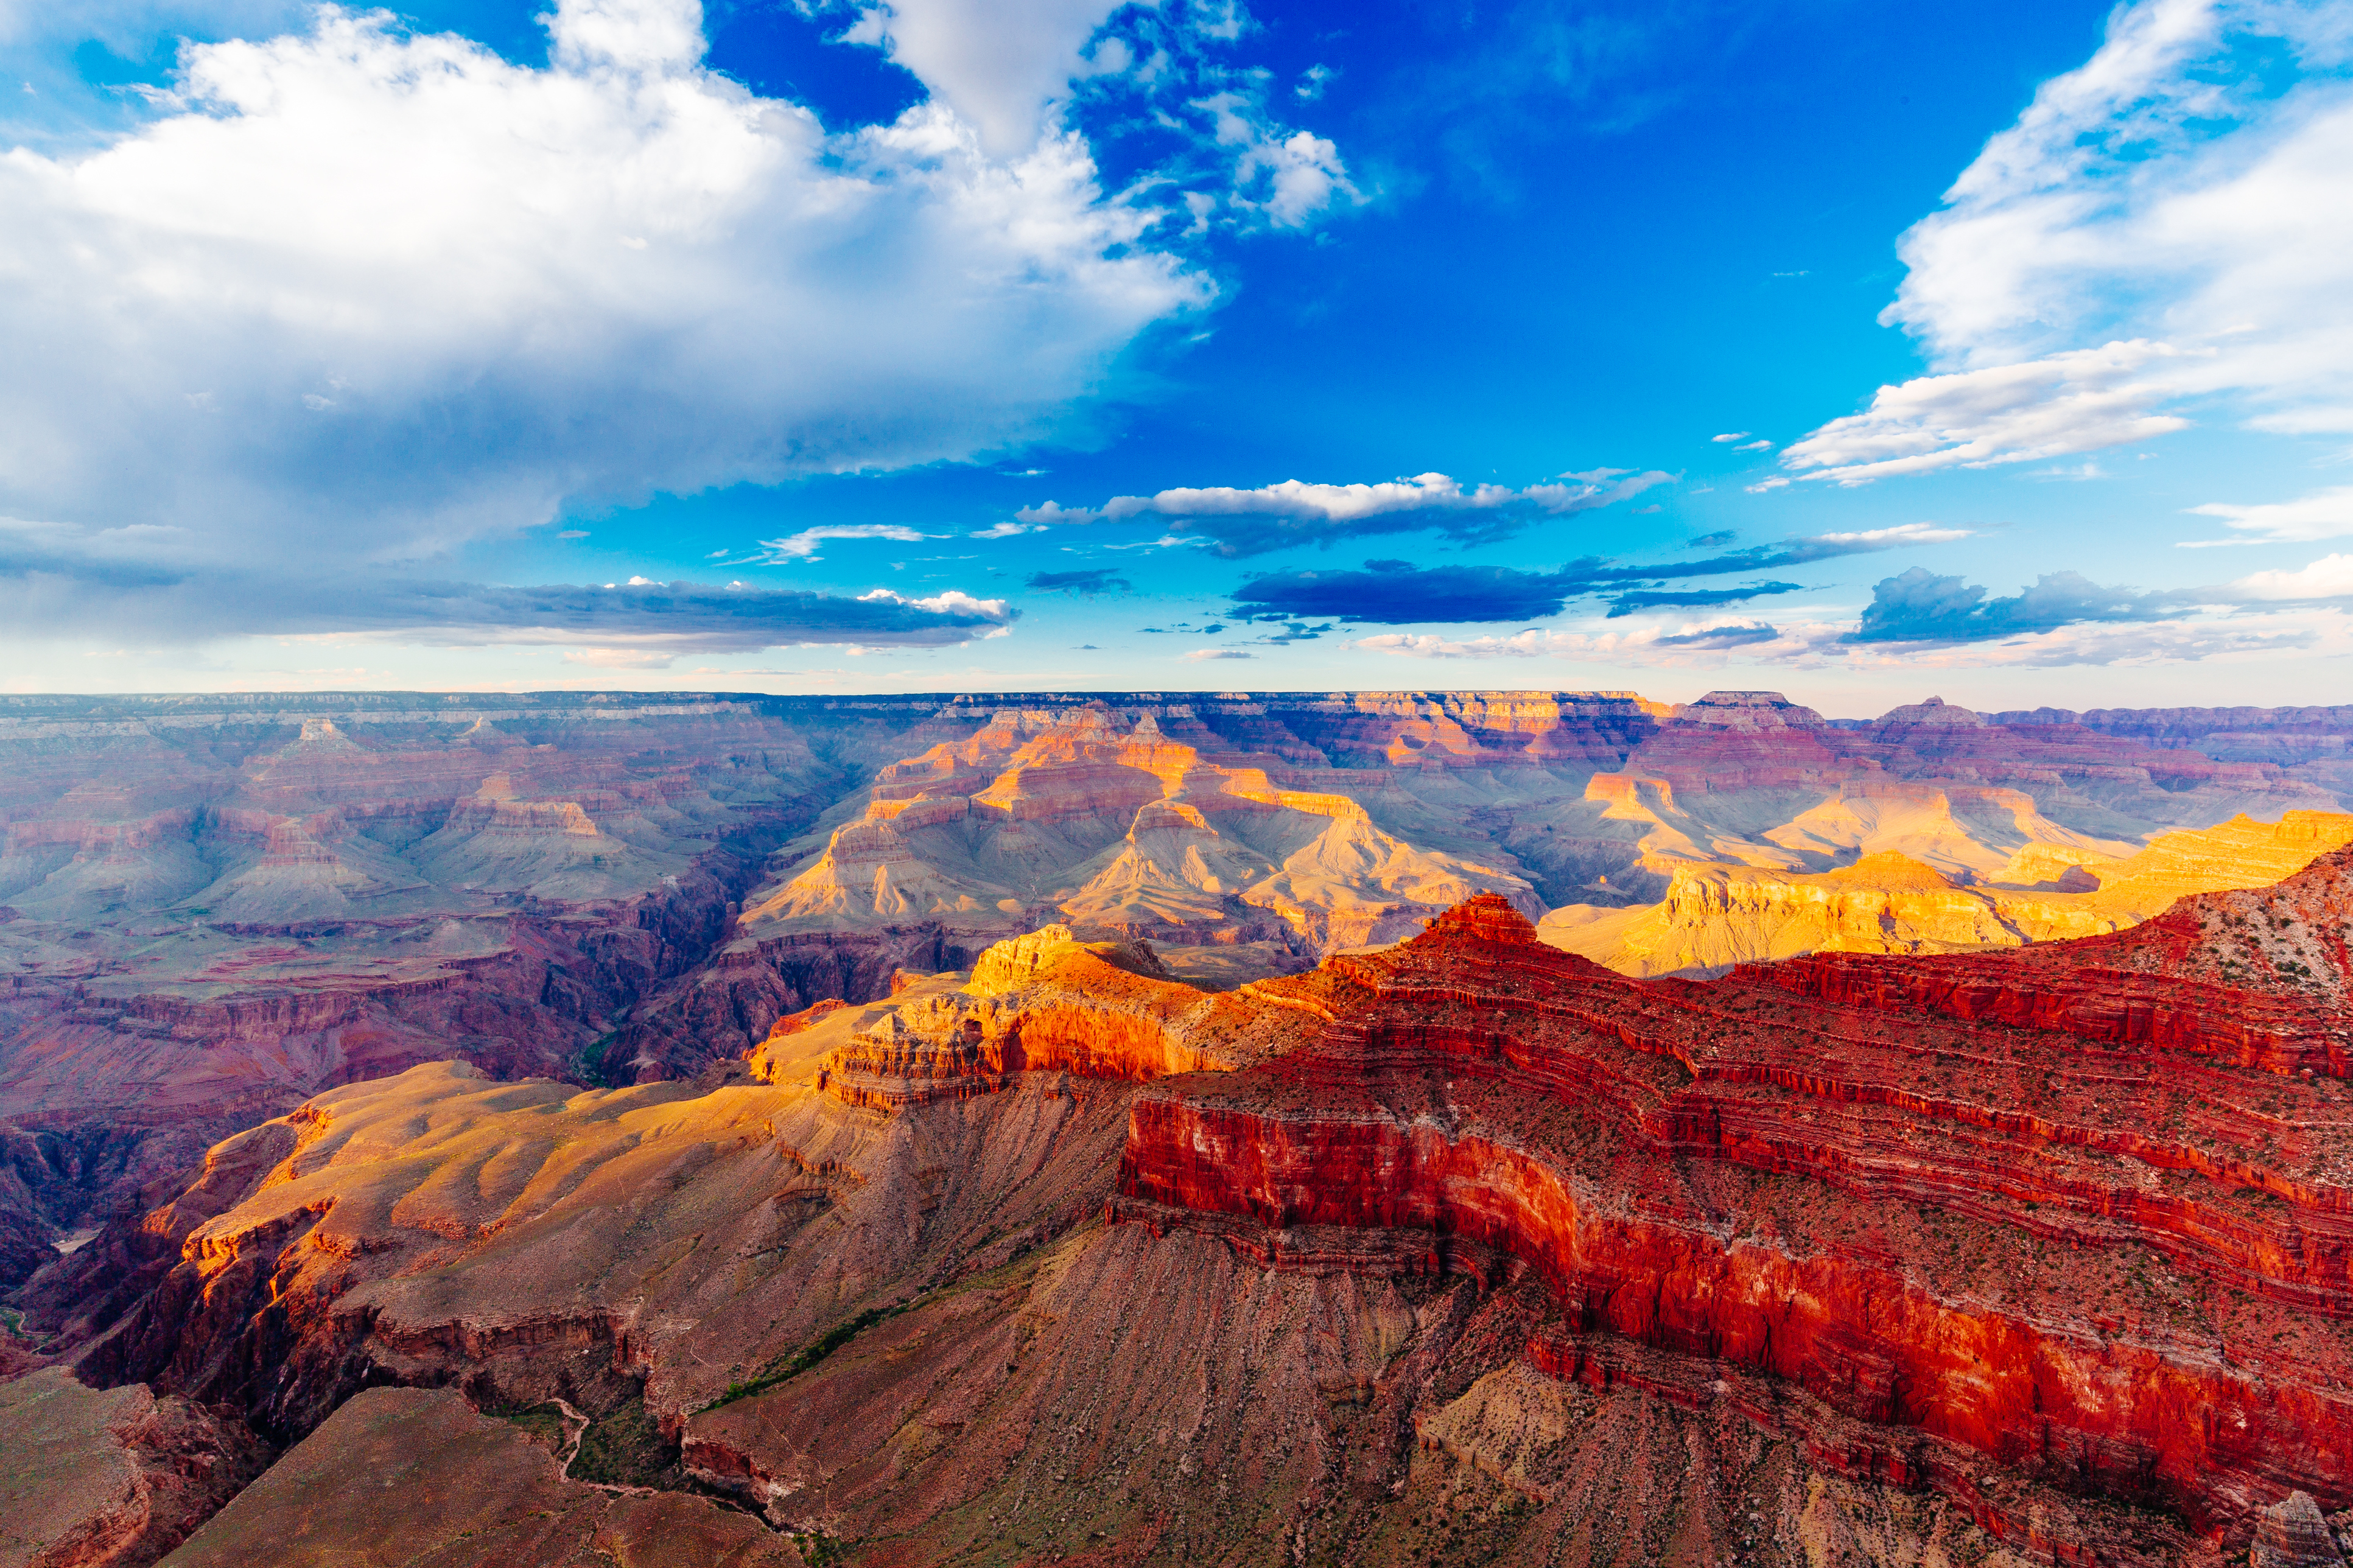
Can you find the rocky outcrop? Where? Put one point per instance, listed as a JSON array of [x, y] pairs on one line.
[[1042, 1003], [1130, 821], [222, 910], [398, 1475], [1691, 1270], [1759, 1178], [2293, 1534], [1714, 916], [116, 1477], [1453, 1250], [724, 1009]]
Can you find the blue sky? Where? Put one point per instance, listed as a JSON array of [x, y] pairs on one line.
[[1859, 350]]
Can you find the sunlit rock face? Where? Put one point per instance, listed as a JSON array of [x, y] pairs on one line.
[[1714, 916], [1077, 1121], [1143, 822], [212, 906], [1900, 1254], [2016, 1211], [216, 906]]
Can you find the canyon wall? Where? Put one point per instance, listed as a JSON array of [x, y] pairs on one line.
[[1856, 1249], [2038, 1212], [931, 1123]]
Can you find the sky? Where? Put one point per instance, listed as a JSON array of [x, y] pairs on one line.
[[1863, 352]]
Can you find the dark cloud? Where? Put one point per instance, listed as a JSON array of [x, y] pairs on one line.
[[1292, 631], [160, 604], [1722, 636], [1920, 606], [1398, 592], [1100, 580], [1628, 603], [1710, 540]]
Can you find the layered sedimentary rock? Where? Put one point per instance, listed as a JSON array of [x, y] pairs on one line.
[[1123, 823], [115, 1477], [1862, 1255], [2287, 736], [216, 906], [1714, 916], [400, 1475], [917, 1249], [1040, 1003], [1957, 1213]]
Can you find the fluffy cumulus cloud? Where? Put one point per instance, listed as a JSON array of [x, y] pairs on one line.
[[356, 295], [1273, 517], [2043, 409], [999, 67], [2171, 222], [2330, 577], [399, 284]]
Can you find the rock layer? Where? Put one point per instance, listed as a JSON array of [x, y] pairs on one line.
[[115, 1477], [1487, 1103], [1456, 1250], [1714, 916]]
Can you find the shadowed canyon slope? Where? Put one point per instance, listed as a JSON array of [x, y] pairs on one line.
[[1463, 1247], [933, 1128], [212, 906]]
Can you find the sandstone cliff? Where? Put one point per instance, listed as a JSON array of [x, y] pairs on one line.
[[1494, 1105], [1860, 1254], [1715, 916]]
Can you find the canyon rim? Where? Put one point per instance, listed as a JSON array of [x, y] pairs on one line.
[[1159, 1127]]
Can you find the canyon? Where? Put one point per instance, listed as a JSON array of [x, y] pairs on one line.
[[1167, 1125]]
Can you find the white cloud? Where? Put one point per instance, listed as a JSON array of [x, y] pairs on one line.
[[804, 545], [620, 658], [1008, 530], [1822, 644], [1898, 534], [1703, 644], [2185, 198], [437, 243], [998, 65], [953, 602], [2067, 403], [1754, 447], [2089, 645], [1203, 655], [1249, 521], [2330, 577], [2323, 514], [1731, 436]]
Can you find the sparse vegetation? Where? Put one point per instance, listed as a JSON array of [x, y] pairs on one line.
[[625, 1447], [545, 1422], [808, 1355]]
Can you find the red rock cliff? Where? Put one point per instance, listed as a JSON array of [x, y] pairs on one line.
[[2103, 1246]]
